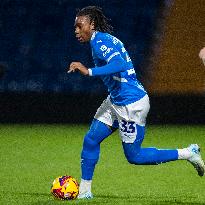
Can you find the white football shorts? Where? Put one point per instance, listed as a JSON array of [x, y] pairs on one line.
[[128, 116]]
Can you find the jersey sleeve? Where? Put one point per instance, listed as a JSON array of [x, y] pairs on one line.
[[106, 50]]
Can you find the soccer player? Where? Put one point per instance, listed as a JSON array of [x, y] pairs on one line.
[[126, 106]]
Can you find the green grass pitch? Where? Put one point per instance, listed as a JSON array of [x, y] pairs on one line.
[[32, 156]]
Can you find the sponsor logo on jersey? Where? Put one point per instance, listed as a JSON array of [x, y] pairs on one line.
[[107, 51], [103, 48]]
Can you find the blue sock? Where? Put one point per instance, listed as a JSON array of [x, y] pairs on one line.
[[91, 147], [146, 156]]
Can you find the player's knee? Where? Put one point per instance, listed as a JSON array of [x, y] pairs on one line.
[[131, 154], [89, 140], [131, 160], [91, 148], [132, 151], [144, 156], [134, 158], [137, 160]]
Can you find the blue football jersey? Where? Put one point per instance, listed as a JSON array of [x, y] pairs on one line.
[[115, 68]]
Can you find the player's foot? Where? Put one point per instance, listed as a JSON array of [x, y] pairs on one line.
[[195, 159], [85, 195]]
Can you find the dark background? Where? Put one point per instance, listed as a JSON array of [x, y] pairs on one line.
[[37, 44]]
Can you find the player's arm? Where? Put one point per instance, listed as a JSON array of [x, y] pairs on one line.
[[107, 51]]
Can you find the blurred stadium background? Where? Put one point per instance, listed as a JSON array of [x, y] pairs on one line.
[[37, 43]]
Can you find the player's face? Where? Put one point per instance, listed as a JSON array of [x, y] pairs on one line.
[[83, 28]]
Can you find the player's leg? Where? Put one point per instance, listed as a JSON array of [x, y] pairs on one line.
[[90, 154], [101, 127], [145, 156], [132, 131]]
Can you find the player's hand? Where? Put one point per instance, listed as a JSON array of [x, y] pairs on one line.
[[202, 55], [78, 66]]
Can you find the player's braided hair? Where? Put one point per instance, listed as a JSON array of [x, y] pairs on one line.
[[97, 17]]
